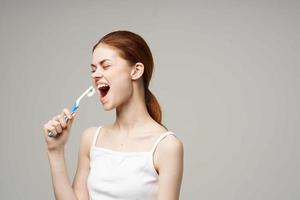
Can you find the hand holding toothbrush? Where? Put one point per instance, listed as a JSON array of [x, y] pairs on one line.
[[57, 129]]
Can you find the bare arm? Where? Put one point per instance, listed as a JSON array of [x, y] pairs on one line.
[[83, 168], [63, 189], [170, 166], [61, 185]]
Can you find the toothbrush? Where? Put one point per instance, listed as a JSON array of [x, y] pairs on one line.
[[89, 92]]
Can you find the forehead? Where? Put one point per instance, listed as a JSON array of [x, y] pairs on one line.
[[104, 52]]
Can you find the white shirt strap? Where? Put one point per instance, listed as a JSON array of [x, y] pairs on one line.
[[160, 139], [94, 141], [96, 136]]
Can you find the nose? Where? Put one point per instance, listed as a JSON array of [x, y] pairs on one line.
[[97, 73]]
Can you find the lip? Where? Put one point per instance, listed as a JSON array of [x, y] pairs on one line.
[[100, 82]]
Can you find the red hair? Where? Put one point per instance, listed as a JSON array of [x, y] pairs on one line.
[[134, 48]]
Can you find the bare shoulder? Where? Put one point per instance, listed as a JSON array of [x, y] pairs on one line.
[[89, 133], [170, 144], [170, 164], [86, 138], [169, 154]]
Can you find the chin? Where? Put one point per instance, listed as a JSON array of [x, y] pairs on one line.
[[108, 107]]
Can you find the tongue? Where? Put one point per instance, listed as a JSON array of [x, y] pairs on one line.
[[103, 92]]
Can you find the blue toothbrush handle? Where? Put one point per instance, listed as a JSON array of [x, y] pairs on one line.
[[73, 109]]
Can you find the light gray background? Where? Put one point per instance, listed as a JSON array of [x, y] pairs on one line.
[[226, 75]]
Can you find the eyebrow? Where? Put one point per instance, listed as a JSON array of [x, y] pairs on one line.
[[101, 62]]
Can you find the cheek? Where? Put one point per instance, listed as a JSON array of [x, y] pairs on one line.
[[123, 86]]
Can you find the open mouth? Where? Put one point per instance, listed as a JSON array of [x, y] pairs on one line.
[[103, 88]]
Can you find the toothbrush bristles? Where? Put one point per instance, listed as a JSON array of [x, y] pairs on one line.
[[91, 92]]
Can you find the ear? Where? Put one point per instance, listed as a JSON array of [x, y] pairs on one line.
[[137, 71]]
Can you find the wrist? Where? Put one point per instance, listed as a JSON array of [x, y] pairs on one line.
[[56, 152]]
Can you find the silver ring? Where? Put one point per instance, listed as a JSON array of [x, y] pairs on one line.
[[50, 134]]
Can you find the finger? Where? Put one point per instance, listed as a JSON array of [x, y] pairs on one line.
[[55, 118], [46, 126], [62, 121], [67, 112], [70, 122], [57, 126], [50, 128]]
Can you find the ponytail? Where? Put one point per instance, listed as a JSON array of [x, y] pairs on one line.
[[153, 106]]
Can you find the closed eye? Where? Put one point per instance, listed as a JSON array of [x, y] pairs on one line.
[[93, 69]]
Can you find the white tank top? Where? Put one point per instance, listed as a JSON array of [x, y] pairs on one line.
[[122, 175]]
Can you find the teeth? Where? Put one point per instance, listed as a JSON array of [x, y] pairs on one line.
[[101, 85]]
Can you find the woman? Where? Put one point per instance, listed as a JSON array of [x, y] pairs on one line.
[[135, 157]]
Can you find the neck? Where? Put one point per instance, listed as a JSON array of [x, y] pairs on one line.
[[132, 116]]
